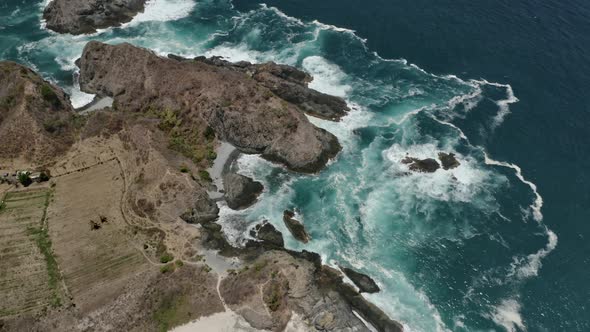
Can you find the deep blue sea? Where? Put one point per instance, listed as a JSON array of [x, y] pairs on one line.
[[501, 243]]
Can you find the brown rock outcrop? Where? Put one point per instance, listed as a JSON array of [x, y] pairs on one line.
[[240, 110], [86, 16]]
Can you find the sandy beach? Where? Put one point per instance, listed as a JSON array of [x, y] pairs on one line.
[[226, 154], [96, 104]]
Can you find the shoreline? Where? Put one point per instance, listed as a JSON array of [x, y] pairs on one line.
[[326, 277]]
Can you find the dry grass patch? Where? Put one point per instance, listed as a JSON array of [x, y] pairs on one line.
[[90, 235]]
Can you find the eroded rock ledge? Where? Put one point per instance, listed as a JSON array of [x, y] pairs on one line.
[[240, 109], [86, 16], [288, 83]]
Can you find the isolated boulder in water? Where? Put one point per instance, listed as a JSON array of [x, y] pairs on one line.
[[448, 160], [365, 283], [267, 233], [427, 165], [240, 191], [295, 227]]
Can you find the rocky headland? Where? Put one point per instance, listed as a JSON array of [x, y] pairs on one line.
[[195, 95], [86, 16], [144, 162]]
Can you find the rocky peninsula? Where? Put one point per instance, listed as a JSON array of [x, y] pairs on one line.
[[195, 95]]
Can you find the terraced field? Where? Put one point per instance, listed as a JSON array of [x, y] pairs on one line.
[[29, 276], [94, 252]]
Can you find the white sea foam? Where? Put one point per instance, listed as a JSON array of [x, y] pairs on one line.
[[79, 98], [507, 314], [503, 104], [446, 123], [469, 100], [538, 202], [164, 10], [278, 12], [235, 53], [327, 77], [529, 266]]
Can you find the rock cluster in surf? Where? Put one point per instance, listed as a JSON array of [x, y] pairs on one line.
[[430, 165]]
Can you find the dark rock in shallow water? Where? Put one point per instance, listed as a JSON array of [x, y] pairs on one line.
[[365, 283], [368, 310], [448, 160], [240, 191], [267, 233], [427, 165], [86, 16], [295, 227]]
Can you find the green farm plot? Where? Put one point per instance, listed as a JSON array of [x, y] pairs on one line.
[[29, 276]]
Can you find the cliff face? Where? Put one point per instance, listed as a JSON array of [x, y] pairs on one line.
[[36, 118], [85, 16], [240, 109]]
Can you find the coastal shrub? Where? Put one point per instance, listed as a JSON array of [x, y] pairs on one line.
[[273, 299], [2, 206], [43, 177], [204, 175], [166, 257], [259, 266], [55, 124], [7, 102], [179, 263], [78, 121], [167, 268], [49, 95], [211, 154], [168, 120], [25, 179], [184, 169], [209, 133]]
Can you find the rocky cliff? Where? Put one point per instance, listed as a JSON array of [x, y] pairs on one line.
[[195, 95], [86, 16], [36, 118]]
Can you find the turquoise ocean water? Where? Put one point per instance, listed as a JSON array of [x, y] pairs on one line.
[[453, 250]]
